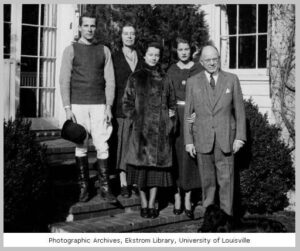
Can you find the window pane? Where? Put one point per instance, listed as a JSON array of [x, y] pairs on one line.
[[231, 12], [28, 71], [247, 52], [247, 18], [43, 16], [7, 12], [29, 40], [30, 13], [262, 51], [262, 18], [28, 102], [54, 15], [47, 40], [232, 55], [48, 15], [47, 70], [46, 102], [7, 40]]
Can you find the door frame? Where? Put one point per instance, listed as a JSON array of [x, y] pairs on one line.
[[42, 123]]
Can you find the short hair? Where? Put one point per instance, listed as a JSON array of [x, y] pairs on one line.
[[154, 44], [86, 14], [195, 48], [127, 24], [119, 42], [209, 45], [181, 40]]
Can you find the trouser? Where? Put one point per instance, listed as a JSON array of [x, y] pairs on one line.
[[92, 118], [217, 168]]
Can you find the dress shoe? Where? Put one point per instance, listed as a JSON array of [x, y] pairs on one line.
[[152, 213], [189, 213], [135, 189], [144, 212], [125, 192], [177, 211]]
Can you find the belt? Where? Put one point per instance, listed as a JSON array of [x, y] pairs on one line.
[[180, 102]]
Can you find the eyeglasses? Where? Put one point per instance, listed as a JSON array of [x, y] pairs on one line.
[[128, 33], [214, 60]]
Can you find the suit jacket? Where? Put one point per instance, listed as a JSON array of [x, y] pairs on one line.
[[220, 113]]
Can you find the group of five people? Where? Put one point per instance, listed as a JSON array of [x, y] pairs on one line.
[[163, 121]]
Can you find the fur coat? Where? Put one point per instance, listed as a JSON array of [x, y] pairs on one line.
[[148, 96]]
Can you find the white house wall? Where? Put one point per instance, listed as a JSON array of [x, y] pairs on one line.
[[254, 82], [67, 26]]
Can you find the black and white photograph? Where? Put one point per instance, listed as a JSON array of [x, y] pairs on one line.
[[168, 123]]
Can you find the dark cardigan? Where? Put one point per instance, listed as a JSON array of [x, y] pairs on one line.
[[122, 72]]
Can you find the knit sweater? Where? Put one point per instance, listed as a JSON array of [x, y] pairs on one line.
[[66, 72]]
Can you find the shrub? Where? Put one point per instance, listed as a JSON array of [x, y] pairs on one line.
[[25, 178], [160, 22], [266, 168]]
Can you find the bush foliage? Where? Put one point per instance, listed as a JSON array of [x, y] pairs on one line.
[[163, 23], [25, 178], [266, 167]]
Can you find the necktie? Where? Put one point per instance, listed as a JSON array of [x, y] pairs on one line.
[[212, 81]]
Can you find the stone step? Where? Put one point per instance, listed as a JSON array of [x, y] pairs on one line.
[[64, 179], [61, 159], [61, 152], [66, 206], [67, 170], [129, 221], [98, 207], [42, 135]]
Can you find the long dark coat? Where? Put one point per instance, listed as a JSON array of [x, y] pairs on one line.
[[122, 71], [148, 96]]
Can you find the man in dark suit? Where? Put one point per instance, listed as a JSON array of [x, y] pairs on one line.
[[218, 130]]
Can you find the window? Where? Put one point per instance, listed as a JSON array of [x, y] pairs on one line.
[[38, 57], [7, 30], [247, 35]]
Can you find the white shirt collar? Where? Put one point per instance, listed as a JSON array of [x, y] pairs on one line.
[[82, 41], [185, 66], [215, 76], [131, 57]]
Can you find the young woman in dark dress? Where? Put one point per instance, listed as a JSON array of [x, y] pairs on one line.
[[149, 102], [187, 173]]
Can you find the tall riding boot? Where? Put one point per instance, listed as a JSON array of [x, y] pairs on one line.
[[105, 190], [83, 177]]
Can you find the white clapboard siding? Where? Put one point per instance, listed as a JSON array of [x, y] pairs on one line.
[[9, 89], [255, 84]]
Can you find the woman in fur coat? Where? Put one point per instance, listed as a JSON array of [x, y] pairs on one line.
[[149, 102]]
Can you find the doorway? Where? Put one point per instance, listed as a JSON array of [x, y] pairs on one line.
[[30, 43]]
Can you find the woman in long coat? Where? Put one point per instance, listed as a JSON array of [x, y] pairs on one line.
[[126, 61], [149, 101], [187, 172]]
